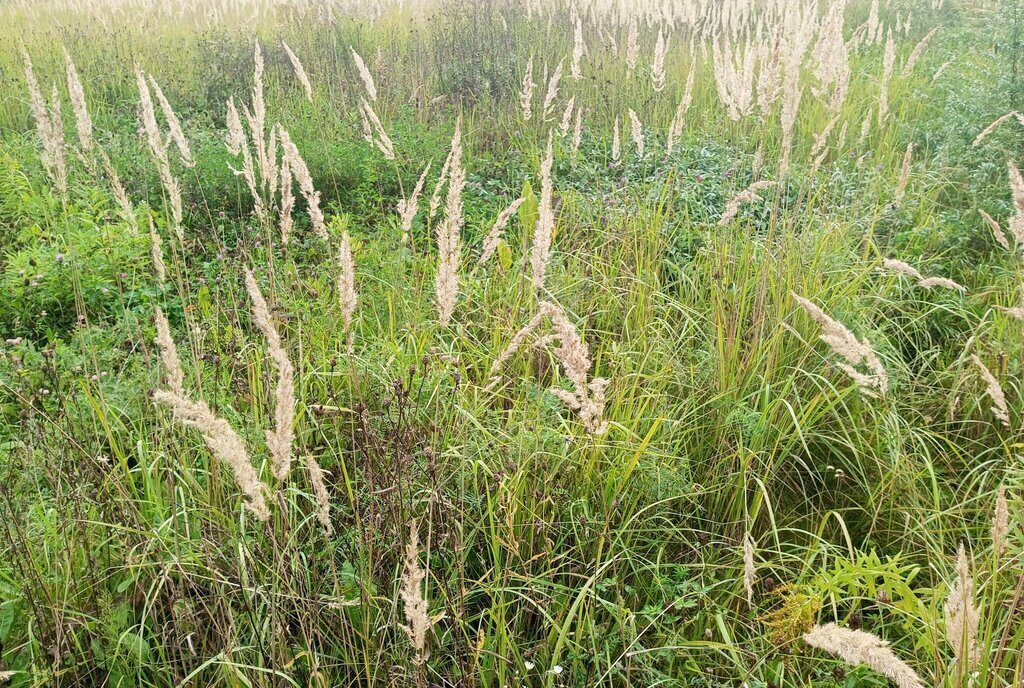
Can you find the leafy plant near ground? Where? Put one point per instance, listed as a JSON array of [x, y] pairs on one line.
[[511, 344]]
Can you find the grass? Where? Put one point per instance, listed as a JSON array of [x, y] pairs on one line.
[[552, 556]]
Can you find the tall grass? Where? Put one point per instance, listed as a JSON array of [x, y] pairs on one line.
[[657, 388]]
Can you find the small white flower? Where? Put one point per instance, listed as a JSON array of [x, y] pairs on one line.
[[529, 665], [557, 669]]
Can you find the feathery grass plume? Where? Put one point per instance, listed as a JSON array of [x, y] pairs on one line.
[[945, 282], [435, 197], [819, 150], [148, 115], [407, 207], [347, 296], [860, 647], [833, 64], [300, 71], [158, 149], [1014, 312], [449, 245], [658, 64], [616, 142], [285, 221], [382, 140], [855, 352], [758, 162], [83, 122], [365, 121], [962, 615], [637, 132], [258, 115], [173, 125], [748, 195], [1000, 522], [526, 93], [587, 398], [518, 339], [280, 439], [174, 196], [577, 51], [417, 617], [865, 127], [883, 92], [223, 442], [40, 113], [1000, 409], [563, 128], [901, 186], [494, 236], [577, 131], [156, 252], [632, 43], [997, 231], [50, 129], [236, 135], [301, 173], [364, 74], [57, 141], [734, 67], [248, 173], [749, 570], [1016, 222], [900, 267], [793, 94], [992, 127], [323, 503], [120, 195], [169, 353], [552, 92], [545, 227], [916, 52], [675, 129]]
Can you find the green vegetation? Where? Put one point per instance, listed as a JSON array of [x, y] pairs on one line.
[[460, 511]]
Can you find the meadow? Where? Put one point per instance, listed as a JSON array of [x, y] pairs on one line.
[[510, 343]]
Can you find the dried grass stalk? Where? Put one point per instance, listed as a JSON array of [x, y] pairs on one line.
[[1000, 409], [347, 296], [526, 92], [997, 231], [862, 648], [749, 569], [449, 247], [853, 351], [493, 237], [545, 227], [223, 442], [407, 208], [169, 353], [748, 195], [83, 122], [1000, 523], [323, 503], [300, 71], [962, 616], [364, 74], [417, 616], [301, 173], [174, 129], [280, 439]]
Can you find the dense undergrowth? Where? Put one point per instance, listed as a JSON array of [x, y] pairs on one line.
[[552, 555]]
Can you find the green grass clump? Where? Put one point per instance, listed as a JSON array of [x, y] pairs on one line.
[[467, 529]]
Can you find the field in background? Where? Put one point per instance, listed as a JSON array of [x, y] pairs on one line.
[[511, 343]]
